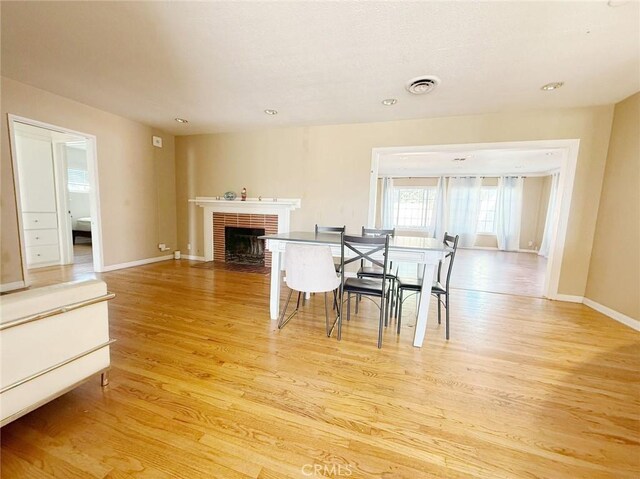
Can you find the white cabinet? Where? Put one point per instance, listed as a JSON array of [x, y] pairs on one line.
[[38, 200], [37, 181]]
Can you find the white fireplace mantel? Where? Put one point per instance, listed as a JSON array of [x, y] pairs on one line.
[[282, 207]]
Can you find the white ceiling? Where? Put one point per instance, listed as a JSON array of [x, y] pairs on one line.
[[220, 64], [508, 161]]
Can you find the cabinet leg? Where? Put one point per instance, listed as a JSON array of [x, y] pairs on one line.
[[104, 379]]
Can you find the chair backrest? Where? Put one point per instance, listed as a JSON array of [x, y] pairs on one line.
[[378, 232], [310, 268], [330, 229], [364, 248], [451, 242]]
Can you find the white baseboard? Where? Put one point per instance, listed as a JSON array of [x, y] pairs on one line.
[[568, 298], [621, 318], [6, 287], [193, 258], [521, 250], [139, 262]]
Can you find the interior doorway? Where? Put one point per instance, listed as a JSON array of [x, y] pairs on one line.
[[55, 175], [509, 202]]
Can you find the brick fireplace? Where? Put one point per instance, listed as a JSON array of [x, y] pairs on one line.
[[272, 214], [268, 223]]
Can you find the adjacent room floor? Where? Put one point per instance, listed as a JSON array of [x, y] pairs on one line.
[[204, 385], [499, 272]]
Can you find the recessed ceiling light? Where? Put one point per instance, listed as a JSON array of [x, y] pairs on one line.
[[552, 86], [271, 112], [389, 101], [181, 120]]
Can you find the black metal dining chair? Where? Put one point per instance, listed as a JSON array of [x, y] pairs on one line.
[[439, 290], [333, 230], [374, 271], [365, 248]]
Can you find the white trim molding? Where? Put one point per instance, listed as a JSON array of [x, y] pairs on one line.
[[282, 207], [621, 318], [193, 257], [6, 287], [569, 298], [139, 262]]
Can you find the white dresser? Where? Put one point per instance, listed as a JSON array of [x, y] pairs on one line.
[[41, 238], [38, 201]]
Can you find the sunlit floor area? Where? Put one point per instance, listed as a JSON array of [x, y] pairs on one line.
[[204, 385], [499, 272]]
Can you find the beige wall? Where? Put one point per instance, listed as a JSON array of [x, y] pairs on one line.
[[137, 181], [614, 274], [535, 200], [328, 167]]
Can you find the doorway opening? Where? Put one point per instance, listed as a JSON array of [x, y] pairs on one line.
[[55, 175], [509, 202]]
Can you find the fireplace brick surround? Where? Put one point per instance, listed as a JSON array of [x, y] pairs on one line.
[[242, 220], [272, 214]]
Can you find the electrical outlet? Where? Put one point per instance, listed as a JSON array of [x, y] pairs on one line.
[[161, 246], [189, 247]]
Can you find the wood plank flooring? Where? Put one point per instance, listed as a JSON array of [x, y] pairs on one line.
[[499, 272], [204, 385]]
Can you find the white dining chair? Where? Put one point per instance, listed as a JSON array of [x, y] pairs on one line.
[[309, 269]]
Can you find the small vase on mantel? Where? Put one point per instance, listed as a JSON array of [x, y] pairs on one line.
[[243, 194]]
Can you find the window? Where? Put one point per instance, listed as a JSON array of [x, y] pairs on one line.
[[487, 210], [413, 207], [78, 181]]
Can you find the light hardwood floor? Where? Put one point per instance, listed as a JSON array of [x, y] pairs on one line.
[[499, 272], [203, 385]]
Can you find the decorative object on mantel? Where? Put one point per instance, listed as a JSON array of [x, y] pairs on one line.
[[259, 198], [243, 194], [230, 195]]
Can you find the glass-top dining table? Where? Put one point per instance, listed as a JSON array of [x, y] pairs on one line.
[[402, 249]]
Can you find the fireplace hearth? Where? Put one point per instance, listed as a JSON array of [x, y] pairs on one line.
[[242, 245]]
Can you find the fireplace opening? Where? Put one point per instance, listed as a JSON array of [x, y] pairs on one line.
[[242, 245]]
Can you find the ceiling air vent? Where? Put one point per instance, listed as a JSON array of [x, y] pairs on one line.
[[422, 85]]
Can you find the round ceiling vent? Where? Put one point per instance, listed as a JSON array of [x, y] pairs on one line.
[[422, 85]]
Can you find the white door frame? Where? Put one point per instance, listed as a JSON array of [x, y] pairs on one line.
[[62, 202], [94, 195], [566, 180]]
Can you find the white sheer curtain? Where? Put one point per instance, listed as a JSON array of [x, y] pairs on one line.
[[388, 206], [464, 198], [438, 219], [545, 246], [509, 212]]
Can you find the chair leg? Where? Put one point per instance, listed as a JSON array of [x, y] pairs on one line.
[[399, 316], [340, 311], [446, 307], [439, 309], [349, 306], [326, 315], [282, 321], [382, 318]]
